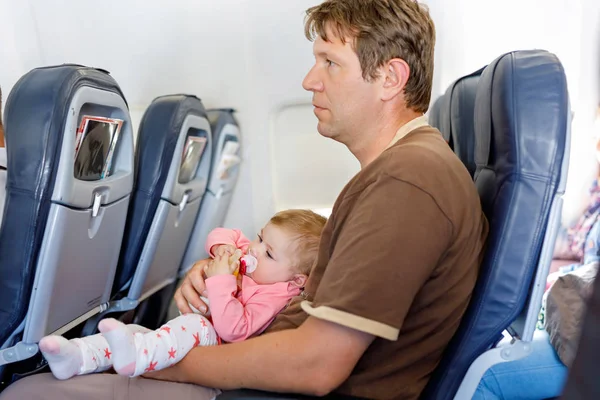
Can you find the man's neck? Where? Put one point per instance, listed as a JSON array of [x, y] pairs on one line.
[[379, 137]]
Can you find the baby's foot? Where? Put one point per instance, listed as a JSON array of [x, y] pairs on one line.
[[64, 356], [122, 345]]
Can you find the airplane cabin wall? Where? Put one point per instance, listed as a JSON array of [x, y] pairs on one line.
[[252, 55]]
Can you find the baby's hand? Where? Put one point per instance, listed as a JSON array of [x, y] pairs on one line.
[[223, 265], [223, 249]]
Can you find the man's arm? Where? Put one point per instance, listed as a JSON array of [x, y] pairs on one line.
[[314, 359]]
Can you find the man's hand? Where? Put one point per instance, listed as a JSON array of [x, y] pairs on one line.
[[192, 288], [223, 265], [223, 249]]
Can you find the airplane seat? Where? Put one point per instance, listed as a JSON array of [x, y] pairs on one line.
[[522, 142], [453, 116], [174, 151], [461, 113], [434, 115], [441, 119], [223, 178], [69, 177], [2, 182]]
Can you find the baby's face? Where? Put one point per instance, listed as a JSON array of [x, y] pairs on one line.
[[274, 250]]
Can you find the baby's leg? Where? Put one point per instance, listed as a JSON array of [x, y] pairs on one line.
[[68, 358], [86, 355], [135, 354]]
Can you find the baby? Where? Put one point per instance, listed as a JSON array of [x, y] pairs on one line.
[[278, 263]]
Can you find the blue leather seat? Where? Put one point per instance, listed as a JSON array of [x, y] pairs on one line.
[[462, 107], [434, 115], [60, 237], [453, 116], [521, 152], [164, 207], [214, 207]]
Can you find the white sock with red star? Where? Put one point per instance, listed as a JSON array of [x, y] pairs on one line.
[[136, 354], [121, 343], [68, 358]]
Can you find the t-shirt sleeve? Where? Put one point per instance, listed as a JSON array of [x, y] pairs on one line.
[[385, 250]]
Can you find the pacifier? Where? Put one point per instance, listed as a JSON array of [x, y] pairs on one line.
[[248, 264]]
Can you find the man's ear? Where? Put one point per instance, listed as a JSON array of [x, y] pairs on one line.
[[299, 280], [395, 76]]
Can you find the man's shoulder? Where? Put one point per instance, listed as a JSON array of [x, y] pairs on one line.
[[424, 161], [421, 156], [422, 148]]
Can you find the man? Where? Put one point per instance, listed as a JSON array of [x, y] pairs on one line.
[[398, 258]]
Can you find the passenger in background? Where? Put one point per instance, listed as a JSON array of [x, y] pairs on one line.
[[544, 372], [275, 269], [3, 162], [398, 259]]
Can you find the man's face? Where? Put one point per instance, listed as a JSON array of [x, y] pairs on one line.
[[344, 102]]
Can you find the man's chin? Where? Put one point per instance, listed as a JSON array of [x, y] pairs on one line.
[[324, 131]]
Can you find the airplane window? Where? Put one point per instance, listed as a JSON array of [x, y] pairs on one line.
[[308, 170]]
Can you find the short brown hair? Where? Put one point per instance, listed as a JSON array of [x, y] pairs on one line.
[[383, 30], [305, 226]]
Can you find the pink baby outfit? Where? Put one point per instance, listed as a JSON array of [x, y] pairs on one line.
[[240, 313]]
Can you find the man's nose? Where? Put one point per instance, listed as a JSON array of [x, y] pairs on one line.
[[311, 81]]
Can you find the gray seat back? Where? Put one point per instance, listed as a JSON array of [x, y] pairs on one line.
[[223, 178], [172, 164], [69, 179]]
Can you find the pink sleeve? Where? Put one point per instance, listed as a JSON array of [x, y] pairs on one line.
[[232, 320], [234, 237]]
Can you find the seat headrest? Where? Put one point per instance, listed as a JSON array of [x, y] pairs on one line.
[[218, 119], [519, 103], [461, 115], [434, 115], [444, 124]]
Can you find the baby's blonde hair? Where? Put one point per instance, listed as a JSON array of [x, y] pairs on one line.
[[305, 227]]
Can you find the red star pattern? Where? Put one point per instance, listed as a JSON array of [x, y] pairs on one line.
[[158, 335], [146, 352], [107, 353], [166, 329], [197, 337], [203, 323], [151, 366], [172, 353], [183, 328]]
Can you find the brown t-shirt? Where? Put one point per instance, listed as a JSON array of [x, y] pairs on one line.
[[398, 258]]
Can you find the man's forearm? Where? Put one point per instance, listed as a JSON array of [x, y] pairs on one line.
[[313, 359], [275, 362]]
